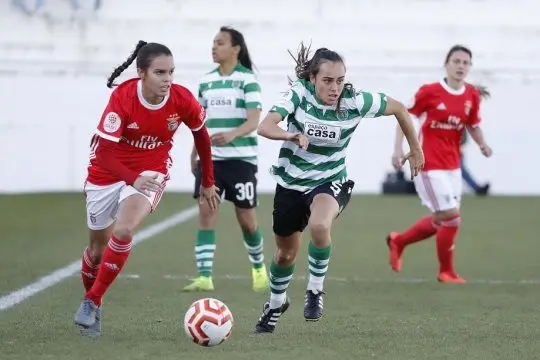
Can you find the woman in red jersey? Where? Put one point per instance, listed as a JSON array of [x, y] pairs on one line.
[[129, 167], [446, 108]]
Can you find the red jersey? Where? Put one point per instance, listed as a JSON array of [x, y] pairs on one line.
[[143, 131], [444, 112]]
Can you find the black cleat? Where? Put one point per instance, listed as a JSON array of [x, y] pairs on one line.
[[268, 320], [313, 308], [483, 191]]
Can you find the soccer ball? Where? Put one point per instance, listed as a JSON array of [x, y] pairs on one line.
[[208, 322]]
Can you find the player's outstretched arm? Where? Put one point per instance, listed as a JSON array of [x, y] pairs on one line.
[[270, 129], [398, 148], [415, 155]]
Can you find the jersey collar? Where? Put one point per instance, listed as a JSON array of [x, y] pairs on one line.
[[450, 90]]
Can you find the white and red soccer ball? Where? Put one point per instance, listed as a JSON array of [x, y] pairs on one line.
[[208, 322]]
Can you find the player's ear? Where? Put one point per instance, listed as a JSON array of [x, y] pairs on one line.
[[141, 73]]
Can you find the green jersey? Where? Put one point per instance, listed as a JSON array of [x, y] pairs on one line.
[[329, 131], [226, 100]]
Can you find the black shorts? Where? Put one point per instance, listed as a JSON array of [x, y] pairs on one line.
[[236, 180], [292, 208]]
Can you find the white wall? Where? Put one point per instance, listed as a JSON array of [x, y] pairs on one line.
[[52, 75], [46, 124]]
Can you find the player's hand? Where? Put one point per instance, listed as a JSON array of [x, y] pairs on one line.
[[194, 166], [397, 159], [300, 140], [223, 138], [211, 196], [147, 184], [486, 150], [416, 161]]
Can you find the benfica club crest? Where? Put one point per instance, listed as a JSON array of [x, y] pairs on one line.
[[468, 106], [172, 121]]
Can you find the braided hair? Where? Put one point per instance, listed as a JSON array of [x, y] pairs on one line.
[[144, 53]]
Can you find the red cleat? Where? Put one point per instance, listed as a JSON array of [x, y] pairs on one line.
[[395, 251], [451, 278]]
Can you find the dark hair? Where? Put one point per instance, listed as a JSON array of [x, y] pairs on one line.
[[237, 39], [457, 48], [307, 67], [144, 53], [483, 91]]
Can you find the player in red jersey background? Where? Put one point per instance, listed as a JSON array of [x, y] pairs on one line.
[[445, 109], [129, 167]]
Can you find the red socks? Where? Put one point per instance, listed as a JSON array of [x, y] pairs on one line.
[[445, 243], [421, 230], [112, 262], [89, 269]]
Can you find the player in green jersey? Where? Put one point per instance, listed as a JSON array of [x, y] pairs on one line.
[[322, 113], [231, 96]]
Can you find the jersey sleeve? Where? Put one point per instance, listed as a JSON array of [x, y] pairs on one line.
[[290, 100], [418, 105], [201, 98], [112, 121], [252, 94], [474, 116], [370, 105], [195, 114]]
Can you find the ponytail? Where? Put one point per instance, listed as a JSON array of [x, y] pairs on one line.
[[237, 39], [120, 69]]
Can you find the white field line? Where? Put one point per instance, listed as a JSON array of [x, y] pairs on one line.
[[353, 279], [61, 274]]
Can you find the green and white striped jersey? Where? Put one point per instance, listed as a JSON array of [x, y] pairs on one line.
[[226, 100], [328, 130]]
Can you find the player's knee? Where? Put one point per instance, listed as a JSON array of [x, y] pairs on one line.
[[248, 227], [285, 257], [319, 229], [124, 232], [446, 216]]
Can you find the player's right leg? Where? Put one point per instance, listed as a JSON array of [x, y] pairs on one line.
[[449, 218], [281, 272], [425, 227], [205, 241], [290, 217], [205, 247], [101, 205]]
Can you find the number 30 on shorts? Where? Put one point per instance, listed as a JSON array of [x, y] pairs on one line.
[[245, 191]]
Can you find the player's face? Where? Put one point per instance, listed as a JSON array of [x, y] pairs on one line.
[[329, 82], [458, 65], [222, 49], [157, 79]]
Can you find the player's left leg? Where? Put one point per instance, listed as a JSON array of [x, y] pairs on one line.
[[328, 202], [449, 218], [323, 211], [253, 242]]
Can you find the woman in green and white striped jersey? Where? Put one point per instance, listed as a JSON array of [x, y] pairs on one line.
[[322, 112], [231, 96]]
